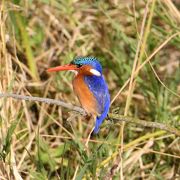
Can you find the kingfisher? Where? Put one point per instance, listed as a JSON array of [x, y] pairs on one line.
[[90, 87]]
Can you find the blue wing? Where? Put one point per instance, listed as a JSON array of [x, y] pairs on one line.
[[98, 87]]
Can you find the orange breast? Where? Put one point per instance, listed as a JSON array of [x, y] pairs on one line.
[[85, 96]]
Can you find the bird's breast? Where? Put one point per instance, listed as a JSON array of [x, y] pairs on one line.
[[85, 96]]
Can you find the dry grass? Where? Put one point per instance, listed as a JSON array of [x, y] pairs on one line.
[[138, 45]]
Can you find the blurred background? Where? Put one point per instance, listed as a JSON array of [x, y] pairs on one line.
[[41, 141]]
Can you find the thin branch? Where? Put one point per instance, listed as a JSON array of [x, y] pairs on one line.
[[44, 100], [115, 117]]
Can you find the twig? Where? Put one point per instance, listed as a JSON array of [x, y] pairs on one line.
[[44, 100], [115, 117]]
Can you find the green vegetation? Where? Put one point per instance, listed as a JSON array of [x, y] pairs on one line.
[[44, 141]]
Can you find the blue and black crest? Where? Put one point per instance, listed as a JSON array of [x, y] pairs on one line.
[[92, 61]]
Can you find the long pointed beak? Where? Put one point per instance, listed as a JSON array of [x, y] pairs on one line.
[[63, 68]]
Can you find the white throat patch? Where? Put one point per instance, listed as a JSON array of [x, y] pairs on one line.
[[95, 72], [74, 71]]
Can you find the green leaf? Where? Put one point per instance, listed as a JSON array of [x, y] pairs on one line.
[[8, 138], [82, 172]]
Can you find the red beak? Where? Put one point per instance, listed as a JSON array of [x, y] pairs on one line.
[[63, 68]]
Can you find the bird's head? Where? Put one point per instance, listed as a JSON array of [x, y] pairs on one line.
[[82, 65]]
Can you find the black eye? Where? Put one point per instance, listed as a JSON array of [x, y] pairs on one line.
[[79, 65]]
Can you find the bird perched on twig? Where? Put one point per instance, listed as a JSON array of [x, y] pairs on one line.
[[89, 86]]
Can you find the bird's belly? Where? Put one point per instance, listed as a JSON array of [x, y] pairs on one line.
[[85, 96]]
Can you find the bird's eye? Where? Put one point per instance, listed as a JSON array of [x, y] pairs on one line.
[[79, 65]]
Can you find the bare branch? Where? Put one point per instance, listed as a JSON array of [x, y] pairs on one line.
[[115, 117], [44, 100]]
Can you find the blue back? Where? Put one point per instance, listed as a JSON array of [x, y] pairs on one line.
[[98, 87]]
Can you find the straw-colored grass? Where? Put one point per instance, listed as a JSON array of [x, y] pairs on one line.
[[138, 44]]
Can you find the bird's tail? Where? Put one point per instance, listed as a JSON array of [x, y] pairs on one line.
[[100, 119]]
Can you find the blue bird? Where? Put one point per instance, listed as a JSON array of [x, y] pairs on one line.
[[89, 86]]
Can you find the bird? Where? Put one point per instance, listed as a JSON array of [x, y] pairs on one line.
[[90, 87]]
